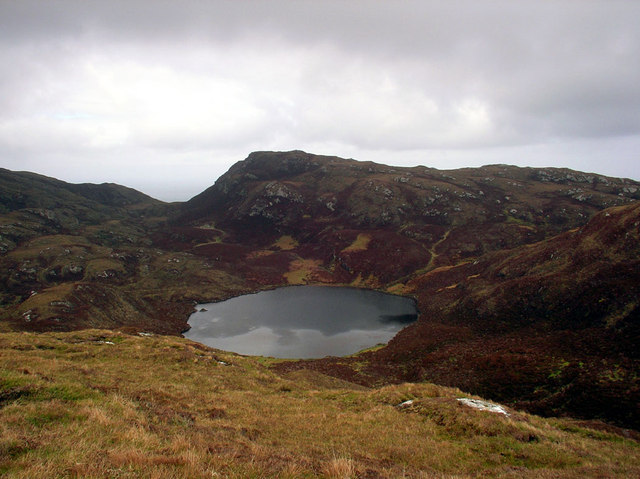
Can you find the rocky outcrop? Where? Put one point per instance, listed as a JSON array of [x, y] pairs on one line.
[[479, 209]]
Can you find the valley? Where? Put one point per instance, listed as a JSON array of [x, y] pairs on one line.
[[527, 279]]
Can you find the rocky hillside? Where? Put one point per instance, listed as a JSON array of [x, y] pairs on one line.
[[552, 327], [291, 191], [81, 255], [420, 217], [34, 205], [21, 189], [526, 278]]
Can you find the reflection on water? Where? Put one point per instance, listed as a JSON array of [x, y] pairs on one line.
[[301, 321]]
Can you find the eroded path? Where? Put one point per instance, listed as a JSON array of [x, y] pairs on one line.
[[433, 248]]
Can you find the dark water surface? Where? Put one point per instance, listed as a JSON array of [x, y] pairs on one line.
[[302, 321]]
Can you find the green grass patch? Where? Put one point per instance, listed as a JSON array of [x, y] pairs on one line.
[[49, 417], [64, 393]]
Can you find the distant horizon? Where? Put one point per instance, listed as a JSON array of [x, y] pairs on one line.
[[184, 199], [166, 96]]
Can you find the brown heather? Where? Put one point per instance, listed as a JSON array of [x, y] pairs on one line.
[[527, 280], [97, 404]]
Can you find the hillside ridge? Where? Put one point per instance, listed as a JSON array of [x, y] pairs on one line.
[[504, 261]]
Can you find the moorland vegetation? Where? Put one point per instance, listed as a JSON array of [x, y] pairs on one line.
[[527, 281]]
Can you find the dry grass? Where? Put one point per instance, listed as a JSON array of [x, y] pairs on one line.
[[369, 282], [286, 243], [301, 270], [103, 404], [51, 246], [43, 303], [361, 243], [399, 289], [98, 266], [340, 468]]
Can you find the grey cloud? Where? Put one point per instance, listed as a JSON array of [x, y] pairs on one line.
[[159, 79]]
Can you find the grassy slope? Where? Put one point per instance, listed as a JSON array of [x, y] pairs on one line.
[[551, 327], [100, 404]]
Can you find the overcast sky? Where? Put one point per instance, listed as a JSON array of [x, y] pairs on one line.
[[164, 96]]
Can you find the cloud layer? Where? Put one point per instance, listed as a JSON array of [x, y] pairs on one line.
[[165, 96]]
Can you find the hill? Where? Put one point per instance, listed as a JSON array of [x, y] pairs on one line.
[[526, 278], [67, 251], [66, 205], [551, 327], [97, 403], [380, 223], [33, 205]]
